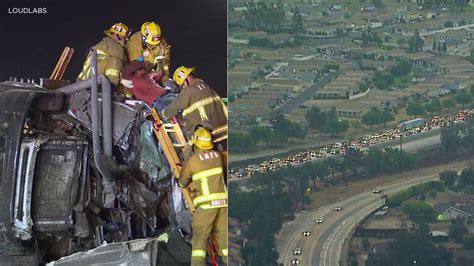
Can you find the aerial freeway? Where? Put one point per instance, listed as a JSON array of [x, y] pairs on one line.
[[405, 128]]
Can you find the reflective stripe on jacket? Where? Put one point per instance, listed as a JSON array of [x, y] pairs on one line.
[[203, 172], [110, 60], [200, 105]]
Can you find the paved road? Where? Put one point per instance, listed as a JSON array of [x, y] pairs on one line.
[[324, 246], [468, 27], [310, 92], [410, 144]]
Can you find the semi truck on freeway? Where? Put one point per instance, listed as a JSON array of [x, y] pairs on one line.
[[411, 123]]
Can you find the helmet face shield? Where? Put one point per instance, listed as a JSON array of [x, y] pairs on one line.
[[151, 33], [156, 38], [202, 139], [181, 73], [118, 29]]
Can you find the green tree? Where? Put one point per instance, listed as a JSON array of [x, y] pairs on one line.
[[467, 177], [401, 69], [353, 160], [288, 128], [448, 177], [434, 106], [415, 108], [383, 81], [239, 142], [468, 243], [333, 126], [415, 43], [419, 211], [319, 171], [449, 103], [463, 98], [387, 116], [333, 166], [297, 22], [372, 117], [373, 163], [457, 230], [444, 47], [231, 98], [450, 139], [440, 47], [279, 16], [471, 56], [315, 117], [408, 247], [260, 134]]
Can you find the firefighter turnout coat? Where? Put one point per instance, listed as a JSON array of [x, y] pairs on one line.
[[110, 59], [203, 173], [200, 105], [158, 56]]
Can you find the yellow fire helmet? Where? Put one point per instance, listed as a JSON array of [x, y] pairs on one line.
[[181, 73], [118, 28], [202, 138], [151, 33]]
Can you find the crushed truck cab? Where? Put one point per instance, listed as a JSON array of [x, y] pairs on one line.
[[79, 170]]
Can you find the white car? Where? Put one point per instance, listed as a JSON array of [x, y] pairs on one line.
[[377, 190], [295, 261], [318, 220], [338, 208], [297, 251], [306, 233]]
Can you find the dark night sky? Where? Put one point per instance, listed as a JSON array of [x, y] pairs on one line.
[[31, 43]]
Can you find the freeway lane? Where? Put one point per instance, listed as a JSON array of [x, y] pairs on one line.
[[324, 246], [331, 249], [290, 236], [410, 144]]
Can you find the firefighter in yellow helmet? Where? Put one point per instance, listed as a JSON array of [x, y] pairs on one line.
[[110, 54], [199, 105], [148, 45], [203, 173]]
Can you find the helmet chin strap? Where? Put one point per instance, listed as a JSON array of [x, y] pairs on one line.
[[186, 81]]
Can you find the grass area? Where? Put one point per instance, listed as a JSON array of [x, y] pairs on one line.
[[401, 82], [401, 116], [325, 196], [356, 123], [468, 9]]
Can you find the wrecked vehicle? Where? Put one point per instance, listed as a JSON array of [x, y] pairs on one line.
[[78, 170]]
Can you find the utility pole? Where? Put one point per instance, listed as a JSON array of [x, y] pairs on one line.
[[403, 128]]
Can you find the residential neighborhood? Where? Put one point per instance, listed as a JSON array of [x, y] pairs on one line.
[[354, 43], [323, 98]]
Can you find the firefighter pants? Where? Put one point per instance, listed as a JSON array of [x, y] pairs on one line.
[[204, 222]]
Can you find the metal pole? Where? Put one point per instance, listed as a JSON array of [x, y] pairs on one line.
[[106, 105], [75, 87], [107, 115], [95, 121]]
